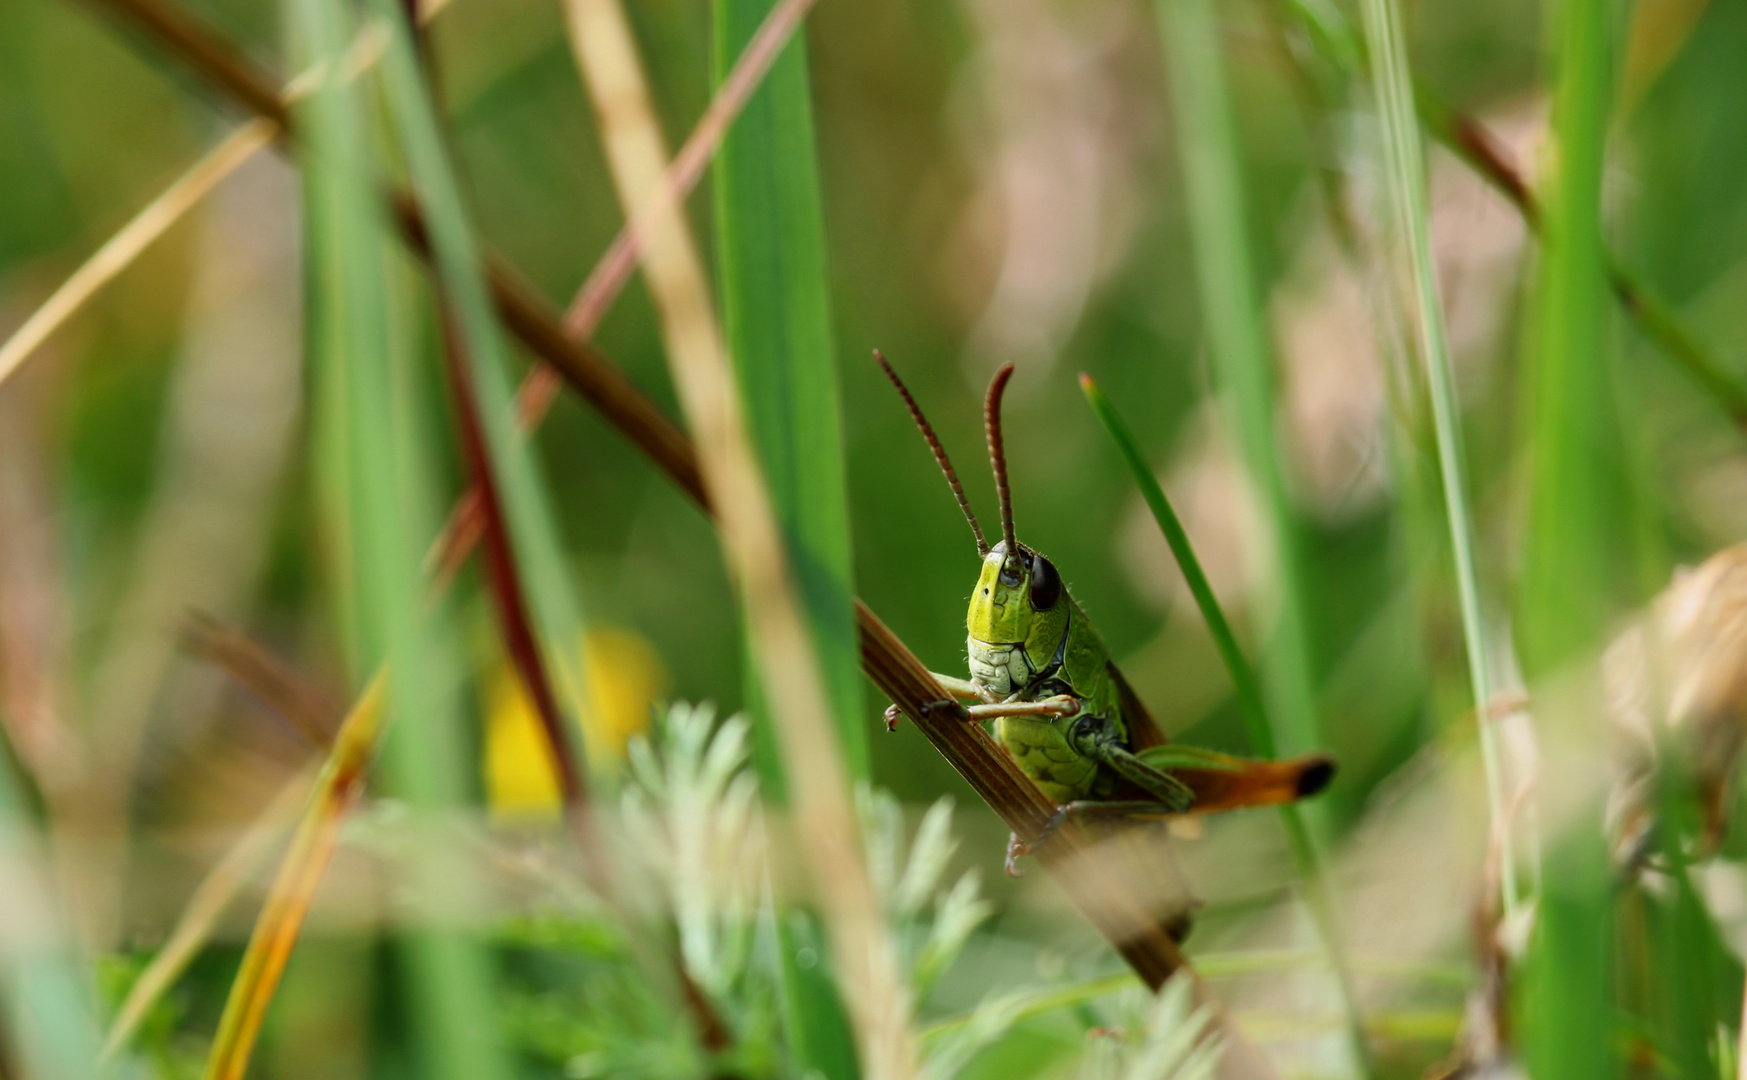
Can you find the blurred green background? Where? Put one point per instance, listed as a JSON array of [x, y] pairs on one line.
[[1001, 182]]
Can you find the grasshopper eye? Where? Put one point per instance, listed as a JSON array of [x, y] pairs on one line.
[[1046, 587]]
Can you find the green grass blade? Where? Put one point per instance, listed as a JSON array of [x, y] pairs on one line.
[[50, 1023], [383, 454], [775, 298], [534, 536], [1236, 328], [1243, 677], [1565, 596], [1393, 87], [1566, 588], [774, 293]]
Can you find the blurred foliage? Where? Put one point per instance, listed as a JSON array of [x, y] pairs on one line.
[[1000, 179]]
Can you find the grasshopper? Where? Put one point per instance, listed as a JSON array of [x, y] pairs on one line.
[[1041, 672]]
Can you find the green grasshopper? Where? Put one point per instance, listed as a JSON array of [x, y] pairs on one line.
[[1042, 673]]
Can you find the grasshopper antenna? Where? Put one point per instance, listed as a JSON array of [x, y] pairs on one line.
[[940, 457], [998, 455]]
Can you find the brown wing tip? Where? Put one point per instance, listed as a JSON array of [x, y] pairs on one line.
[[1316, 776]]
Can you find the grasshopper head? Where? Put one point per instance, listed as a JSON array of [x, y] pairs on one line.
[[1019, 600]]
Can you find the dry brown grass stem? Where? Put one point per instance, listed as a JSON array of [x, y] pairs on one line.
[[604, 283], [281, 919], [172, 204], [305, 707], [781, 639], [121, 249], [210, 899], [989, 770]]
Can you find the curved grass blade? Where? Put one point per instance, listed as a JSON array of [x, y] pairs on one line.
[[1243, 677], [306, 709], [208, 902]]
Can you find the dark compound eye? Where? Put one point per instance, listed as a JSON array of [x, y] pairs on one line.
[[1046, 587]]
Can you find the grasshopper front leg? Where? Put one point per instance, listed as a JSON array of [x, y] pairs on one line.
[[960, 689]]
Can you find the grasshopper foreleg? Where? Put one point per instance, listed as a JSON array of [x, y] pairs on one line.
[[1060, 705], [960, 689]]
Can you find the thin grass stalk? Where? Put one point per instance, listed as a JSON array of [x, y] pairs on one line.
[[613, 269], [1333, 38], [128, 242], [1393, 87], [780, 639], [1566, 592], [379, 460], [990, 771], [1236, 329]]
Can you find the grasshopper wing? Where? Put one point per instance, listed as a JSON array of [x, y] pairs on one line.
[[1143, 730], [1223, 782]]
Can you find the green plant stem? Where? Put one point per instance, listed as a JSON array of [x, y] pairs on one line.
[[1393, 87], [1568, 1011], [1208, 148], [380, 464]]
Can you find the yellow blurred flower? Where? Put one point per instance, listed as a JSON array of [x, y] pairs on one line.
[[623, 676]]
